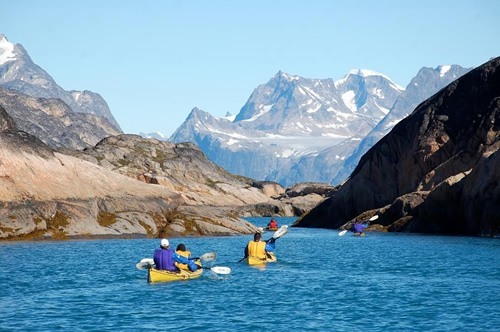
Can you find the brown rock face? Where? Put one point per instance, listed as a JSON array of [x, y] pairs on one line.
[[450, 134], [181, 167]]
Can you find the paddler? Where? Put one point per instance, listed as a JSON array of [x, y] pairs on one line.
[[259, 249], [359, 227], [165, 258], [273, 224], [181, 250]]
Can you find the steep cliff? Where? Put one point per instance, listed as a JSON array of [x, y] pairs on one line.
[[446, 147]]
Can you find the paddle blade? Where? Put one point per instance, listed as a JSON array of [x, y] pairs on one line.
[[221, 269], [280, 232], [343, 232], [375, 217], [145, 264], [208, 257]]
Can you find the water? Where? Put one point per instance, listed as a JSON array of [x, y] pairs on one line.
[[321, 282]]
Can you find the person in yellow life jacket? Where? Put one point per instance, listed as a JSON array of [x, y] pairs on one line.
[[181, 250], [258, 248]]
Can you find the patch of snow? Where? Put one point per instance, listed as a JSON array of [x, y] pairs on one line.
[[378, 92], [333, 135], [383, 109], [285, 153], [230, 118], [289, 78], [232, 141], [263, 109], [6, 51], [367, 73], [348, 98], [314, 94], [315, 109], [392, 123], [443, 70]]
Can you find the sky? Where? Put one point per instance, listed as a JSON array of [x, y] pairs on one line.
[[154, 61]]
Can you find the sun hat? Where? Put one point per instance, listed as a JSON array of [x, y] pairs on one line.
[[164, 243]]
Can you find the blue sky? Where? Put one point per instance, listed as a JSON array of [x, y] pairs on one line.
[[154, 61]]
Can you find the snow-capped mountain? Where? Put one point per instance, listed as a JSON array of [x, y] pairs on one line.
[[426, 83], [18, 72], [294, 129], [289, 121]]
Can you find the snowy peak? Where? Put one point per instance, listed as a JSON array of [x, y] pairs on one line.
[[286, 77], [6, 50], [443, 69], [289, 104], [363, 75]]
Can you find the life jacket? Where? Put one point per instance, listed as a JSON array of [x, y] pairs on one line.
[[257, 249], [358, 228], [273, 224], [164, 260], [186, 254]]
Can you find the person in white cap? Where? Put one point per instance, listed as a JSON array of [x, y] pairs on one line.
[[165, 258]]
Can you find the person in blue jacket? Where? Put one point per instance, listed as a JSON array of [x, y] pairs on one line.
[[358, 228], [165, 258]]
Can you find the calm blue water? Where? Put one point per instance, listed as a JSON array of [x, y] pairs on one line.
[[321, 282]]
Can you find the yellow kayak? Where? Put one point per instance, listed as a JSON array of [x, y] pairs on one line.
[[155, 275], [258, 261]]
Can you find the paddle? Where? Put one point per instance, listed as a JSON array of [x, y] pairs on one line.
[[375, 217], [207, 257], [218, 269], [279, 233], [145, 264]]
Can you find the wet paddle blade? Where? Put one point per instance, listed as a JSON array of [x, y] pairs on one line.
[[221, 269], [208, 257], [343, 232], [145, 264], [280, 232]]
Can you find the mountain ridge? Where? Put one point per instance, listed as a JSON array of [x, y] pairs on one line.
[[294, 129]]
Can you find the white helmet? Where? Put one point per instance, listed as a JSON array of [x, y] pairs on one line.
[[164, 243]]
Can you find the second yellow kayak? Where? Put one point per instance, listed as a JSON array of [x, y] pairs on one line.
[[258, 261]]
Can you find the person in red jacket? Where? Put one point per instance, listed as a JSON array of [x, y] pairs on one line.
[[273, 224]]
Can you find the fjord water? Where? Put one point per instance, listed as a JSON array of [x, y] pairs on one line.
[[321, 282]]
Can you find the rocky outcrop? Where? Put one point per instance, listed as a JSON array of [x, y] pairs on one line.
[[126, 186], [54, 122], [446, 147], [47, 194], [182, 168]]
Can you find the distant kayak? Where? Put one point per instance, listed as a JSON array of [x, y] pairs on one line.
[[271, 228], [259, 261]]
